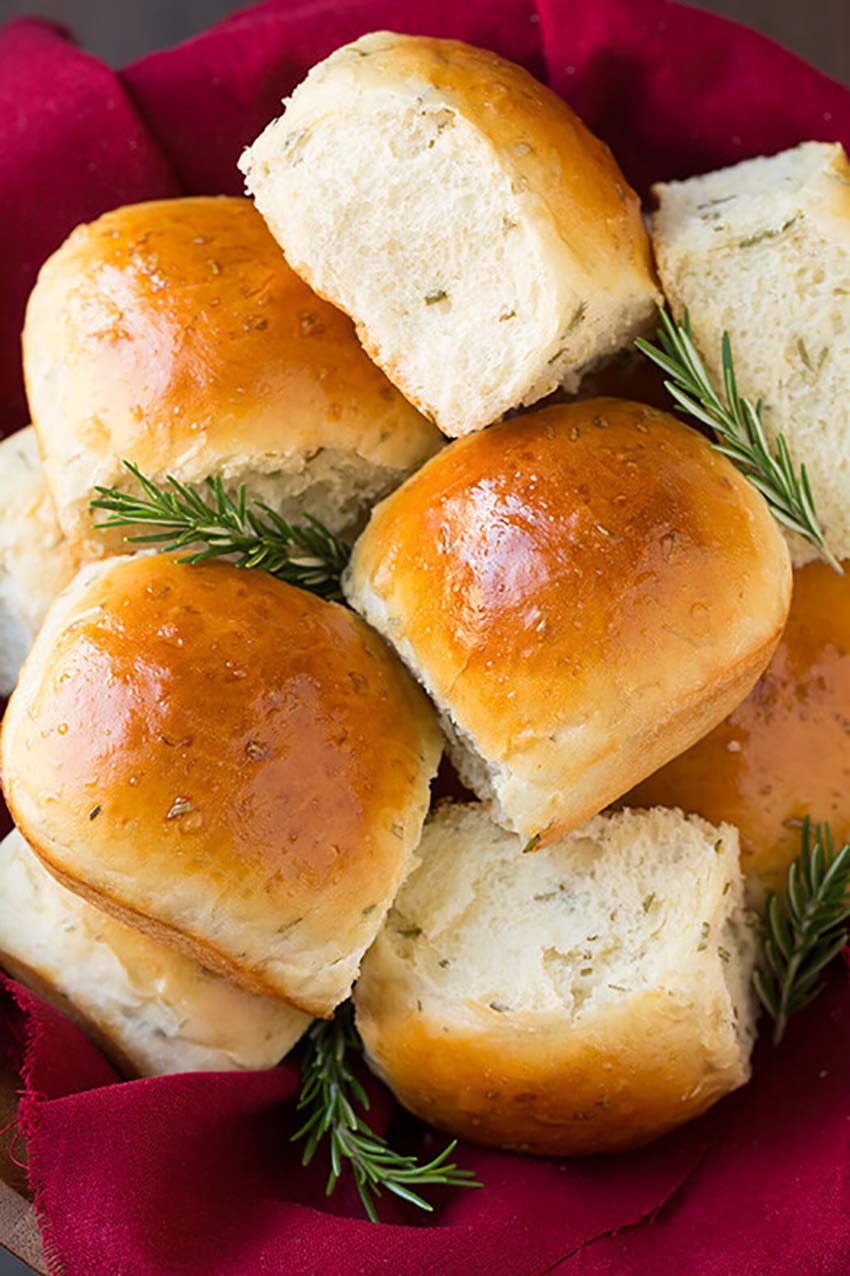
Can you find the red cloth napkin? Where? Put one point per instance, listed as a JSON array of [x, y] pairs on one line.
[[194, 1175]]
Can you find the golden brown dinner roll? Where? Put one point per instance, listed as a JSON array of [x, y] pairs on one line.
[[231, 764], [584, 999], [484, 241], [173, 334], [150, 1008], [583, 591], [785, 752], [36, 561]]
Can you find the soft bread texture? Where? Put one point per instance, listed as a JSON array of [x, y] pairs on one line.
[[173, 334], [150, 1008], [484, 241], [762, 250], [785, 752], [36, 562], [232, 765], [585, 998], [584, 591]]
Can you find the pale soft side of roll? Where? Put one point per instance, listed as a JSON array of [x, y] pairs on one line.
[[762, 251], [232, 765], [174, 335], [584, 998], [151, 1009], [36, 562], [484, 241], [584, 591]]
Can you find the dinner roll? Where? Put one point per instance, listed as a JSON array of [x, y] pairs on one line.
[[785, 752], [232, 765], [484, 241], [762, 250], [173, 334], [584, 591], [150, 1008], [35, 560], [583, 999]]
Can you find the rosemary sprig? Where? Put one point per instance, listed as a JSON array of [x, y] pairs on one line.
[[739, 428], [307, 555], [331, 1094], [807, 929]]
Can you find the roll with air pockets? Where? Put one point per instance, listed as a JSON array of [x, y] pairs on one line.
[[151, 1009], [485, 243], [762, 251], [584, 998], [36, 561]]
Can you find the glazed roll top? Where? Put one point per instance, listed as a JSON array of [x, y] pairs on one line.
[[232, 765], [173, 334], [784, 753], [585, 591]]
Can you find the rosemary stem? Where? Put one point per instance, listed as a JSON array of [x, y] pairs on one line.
[[807, 930], [781, 1020], [208, 523], [738, 428]]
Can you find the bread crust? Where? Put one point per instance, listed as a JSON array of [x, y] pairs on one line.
[[784, 752], [582, 590], [485, 1003], [231, 764], [149, 1009], [523, 1087], [173, 334]]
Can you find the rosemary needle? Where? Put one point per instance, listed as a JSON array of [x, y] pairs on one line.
[[807, 929], [331, 1096], [738, 426], [210, 524], [311, 557]]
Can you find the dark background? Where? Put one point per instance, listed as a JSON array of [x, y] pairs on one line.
[[121, 30]]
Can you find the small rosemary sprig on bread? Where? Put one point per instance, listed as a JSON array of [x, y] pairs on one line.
[[739, 429], [331, 1095], [807, 929], [211, 524]]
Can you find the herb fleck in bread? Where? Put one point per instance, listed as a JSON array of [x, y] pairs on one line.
[[483, 240], [763, 250], [152, 1009], [36, 561], [583, 998]]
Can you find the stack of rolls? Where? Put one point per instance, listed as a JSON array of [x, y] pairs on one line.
[[209, 840], [221, 783]]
